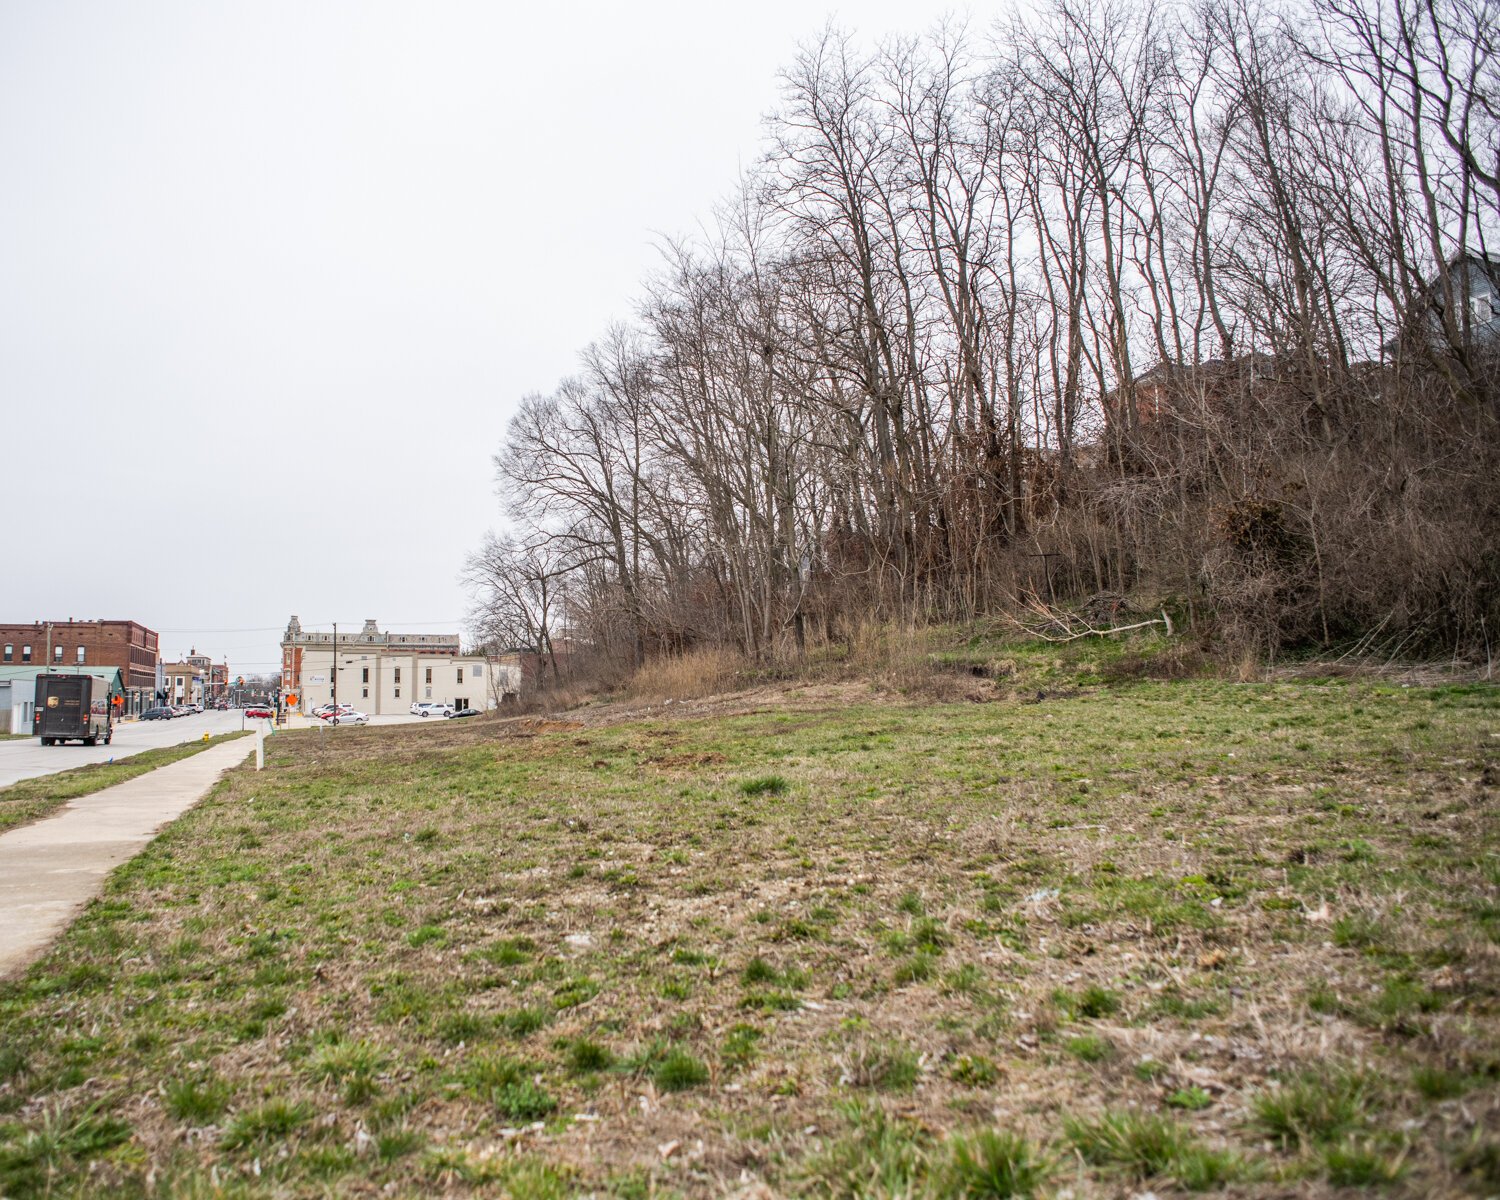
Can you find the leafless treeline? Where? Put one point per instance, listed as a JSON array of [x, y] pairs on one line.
[[1117, 297]]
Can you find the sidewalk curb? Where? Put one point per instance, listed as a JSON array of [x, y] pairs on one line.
[[50, 869]]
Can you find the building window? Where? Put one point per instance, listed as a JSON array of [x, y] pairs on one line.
[[80, 653], [364, 675], [179, 681], [478, 670], [398, 693], [398, 677], [429, 677], [25, 653], [429, 693], [364, 693], [10, 651], [57, 654], [460, 674]]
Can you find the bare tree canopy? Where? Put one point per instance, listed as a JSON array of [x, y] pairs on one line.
[[1114, 297]]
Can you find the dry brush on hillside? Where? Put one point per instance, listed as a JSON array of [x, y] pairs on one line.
[[1195, 303]]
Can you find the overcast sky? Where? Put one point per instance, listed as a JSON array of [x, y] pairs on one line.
[[273, 277]]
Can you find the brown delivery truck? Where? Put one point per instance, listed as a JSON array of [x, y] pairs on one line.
[[72, 708]]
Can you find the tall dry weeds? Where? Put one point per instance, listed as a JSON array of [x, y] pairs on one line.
[[705, 671]]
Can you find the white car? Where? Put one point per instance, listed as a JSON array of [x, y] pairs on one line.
[[431, 708], [323, 710], [345, 717]]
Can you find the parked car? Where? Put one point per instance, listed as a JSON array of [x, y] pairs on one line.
[[324, 709], [463, 712], [346, 717], [431, 708], [260, 710], [157, 714]]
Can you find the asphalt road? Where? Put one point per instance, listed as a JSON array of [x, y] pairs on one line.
[[25, 759], [29, 758]]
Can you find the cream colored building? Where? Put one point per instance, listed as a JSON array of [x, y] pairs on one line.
[[381, 673], [184, 682]]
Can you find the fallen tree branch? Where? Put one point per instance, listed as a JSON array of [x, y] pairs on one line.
[[1061, 620]]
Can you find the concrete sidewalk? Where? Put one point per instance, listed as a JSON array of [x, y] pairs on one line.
[[50, 869]]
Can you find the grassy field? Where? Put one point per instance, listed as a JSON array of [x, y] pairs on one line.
[[32, 799], [1086, 939]]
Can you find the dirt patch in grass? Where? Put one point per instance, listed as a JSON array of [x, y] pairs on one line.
[[1165, 936], [32, 799]]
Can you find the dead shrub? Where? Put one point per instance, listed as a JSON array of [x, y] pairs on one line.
[[705, 671]]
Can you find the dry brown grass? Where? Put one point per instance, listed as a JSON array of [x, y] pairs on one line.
[[706, 671]]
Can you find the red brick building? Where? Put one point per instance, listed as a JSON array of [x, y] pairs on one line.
[[128, 645]]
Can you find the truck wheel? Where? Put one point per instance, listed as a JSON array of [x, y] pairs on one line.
[[90, 741], [108, 737]]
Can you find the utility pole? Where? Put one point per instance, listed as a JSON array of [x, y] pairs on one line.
[[334, 667]]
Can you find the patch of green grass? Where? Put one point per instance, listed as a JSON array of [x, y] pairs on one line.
[[464, 1027], [1189, 1099], [273, 1121], [1187, 1008], [678, 1071], [13, 1063], [992, 1165], [1090, 1004], [398, 1143], [584, 1056], [574, 992], [919, 968], [354, 1066], [199, 1099], [1361, 1164], [877, 1155], [1359, 931], [884, 1066], [1479, 1160], [911, 903], [523, 1100], [967, 980], [506, 1084], [29, 1160], [765, 785], [1315, 1108], [509, 951], [1439, 1083], [1144, 1146], [974, 1070], [740, 1046], [523, 1022], [1089, 1048], [770, 1001]]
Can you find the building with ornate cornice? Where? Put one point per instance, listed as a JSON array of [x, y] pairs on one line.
[[380, 672]]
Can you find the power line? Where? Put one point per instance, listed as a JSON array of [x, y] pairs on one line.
[[282, 628]]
